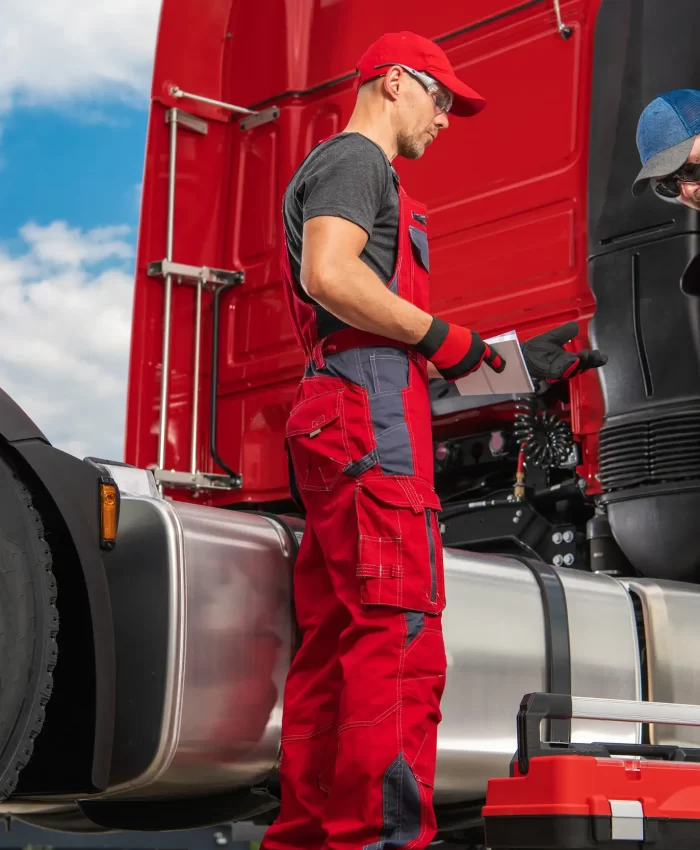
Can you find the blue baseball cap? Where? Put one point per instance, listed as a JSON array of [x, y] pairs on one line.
[[666, 133]]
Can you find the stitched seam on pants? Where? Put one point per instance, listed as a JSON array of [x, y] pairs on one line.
[[308, 398], [396, 427], [410, 494], [308, 734], [423, 819], [366, 406], [425, 738], [385, 799], [399, 578], [358, 363], [422, 816], [415, 640], [377, 720], [411, 436], [423, 678], [399, 682], [399, 802], [375, 376], [343, 427]]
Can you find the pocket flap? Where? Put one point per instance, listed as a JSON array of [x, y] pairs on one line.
[[313, 414], [401, 492], [426, 494], [420, 242]]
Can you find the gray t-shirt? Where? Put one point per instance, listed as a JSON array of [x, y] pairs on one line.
[[348, 176]]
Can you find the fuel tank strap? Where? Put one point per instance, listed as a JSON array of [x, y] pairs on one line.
[[556, 635]]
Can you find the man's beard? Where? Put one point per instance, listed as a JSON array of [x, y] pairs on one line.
[[409, 145]]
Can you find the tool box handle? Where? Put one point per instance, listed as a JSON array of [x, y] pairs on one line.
[[534, 708]]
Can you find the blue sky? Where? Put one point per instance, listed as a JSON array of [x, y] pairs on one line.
[[74, 85], [57, 166]]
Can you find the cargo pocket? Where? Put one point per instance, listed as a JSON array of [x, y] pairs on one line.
[[317, 441], [400, 551]]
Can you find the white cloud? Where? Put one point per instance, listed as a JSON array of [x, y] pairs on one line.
[[65, 49], [65, 323]]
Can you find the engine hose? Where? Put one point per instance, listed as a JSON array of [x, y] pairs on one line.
[[544, 438]]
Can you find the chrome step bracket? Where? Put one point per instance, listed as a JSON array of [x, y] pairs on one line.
[[197, 481], [194, 274], [187, 121], [264, 117]]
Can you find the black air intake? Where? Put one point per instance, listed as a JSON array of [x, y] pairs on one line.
[[653, 452], [644, 270]]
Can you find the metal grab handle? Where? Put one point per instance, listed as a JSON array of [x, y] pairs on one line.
[[536, 707], [675, 714], [176, 91]]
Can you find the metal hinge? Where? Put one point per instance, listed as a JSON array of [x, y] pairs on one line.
[[187, 121], [264, 117], [197, 481], [194, 274]]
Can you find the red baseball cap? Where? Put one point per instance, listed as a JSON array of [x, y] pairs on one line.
[[421, 54]]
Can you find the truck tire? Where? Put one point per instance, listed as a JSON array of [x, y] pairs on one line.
[[28, 626]]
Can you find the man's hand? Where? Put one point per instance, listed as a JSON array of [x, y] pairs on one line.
[[455, 352], [546, 358]]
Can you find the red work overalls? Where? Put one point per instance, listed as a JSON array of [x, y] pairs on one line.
[[362, 698]]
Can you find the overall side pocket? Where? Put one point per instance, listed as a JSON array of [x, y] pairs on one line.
[[317, 440], [399, 556]]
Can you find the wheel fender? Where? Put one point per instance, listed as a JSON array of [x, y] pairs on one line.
[[72, 486], [15, 425]]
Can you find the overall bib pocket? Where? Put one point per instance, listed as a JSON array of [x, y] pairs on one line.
[[419, 240]]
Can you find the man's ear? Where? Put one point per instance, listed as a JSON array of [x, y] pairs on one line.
[[392, 82]]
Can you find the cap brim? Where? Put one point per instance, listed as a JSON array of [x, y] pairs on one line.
[[465, 101], [662, 164]]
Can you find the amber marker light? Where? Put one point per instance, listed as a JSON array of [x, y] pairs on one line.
[[109, 514]]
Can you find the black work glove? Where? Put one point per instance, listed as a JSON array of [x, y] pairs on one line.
[[546, 359]]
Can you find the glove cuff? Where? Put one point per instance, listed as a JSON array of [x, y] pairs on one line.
[[434, 338], [454, 350]]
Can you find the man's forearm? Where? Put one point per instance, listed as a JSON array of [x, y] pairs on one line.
[[355, 295]]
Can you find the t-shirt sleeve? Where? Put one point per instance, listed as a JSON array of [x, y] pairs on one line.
[[348, 180]]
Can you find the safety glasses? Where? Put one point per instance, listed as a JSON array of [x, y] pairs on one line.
[[441, 96], [669, 187]]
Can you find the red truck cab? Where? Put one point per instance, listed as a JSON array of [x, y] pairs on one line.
[[173, 644]]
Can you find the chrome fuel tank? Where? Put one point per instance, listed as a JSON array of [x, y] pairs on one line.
[[671, 613], [494, 628], [202, 604], [204, 627]]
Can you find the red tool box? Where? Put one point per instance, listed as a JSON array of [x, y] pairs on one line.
[[598, 796]]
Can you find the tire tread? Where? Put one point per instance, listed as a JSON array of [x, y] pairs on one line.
[[45, 644]]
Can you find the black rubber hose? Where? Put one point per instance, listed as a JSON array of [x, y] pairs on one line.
[[214, 401]]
